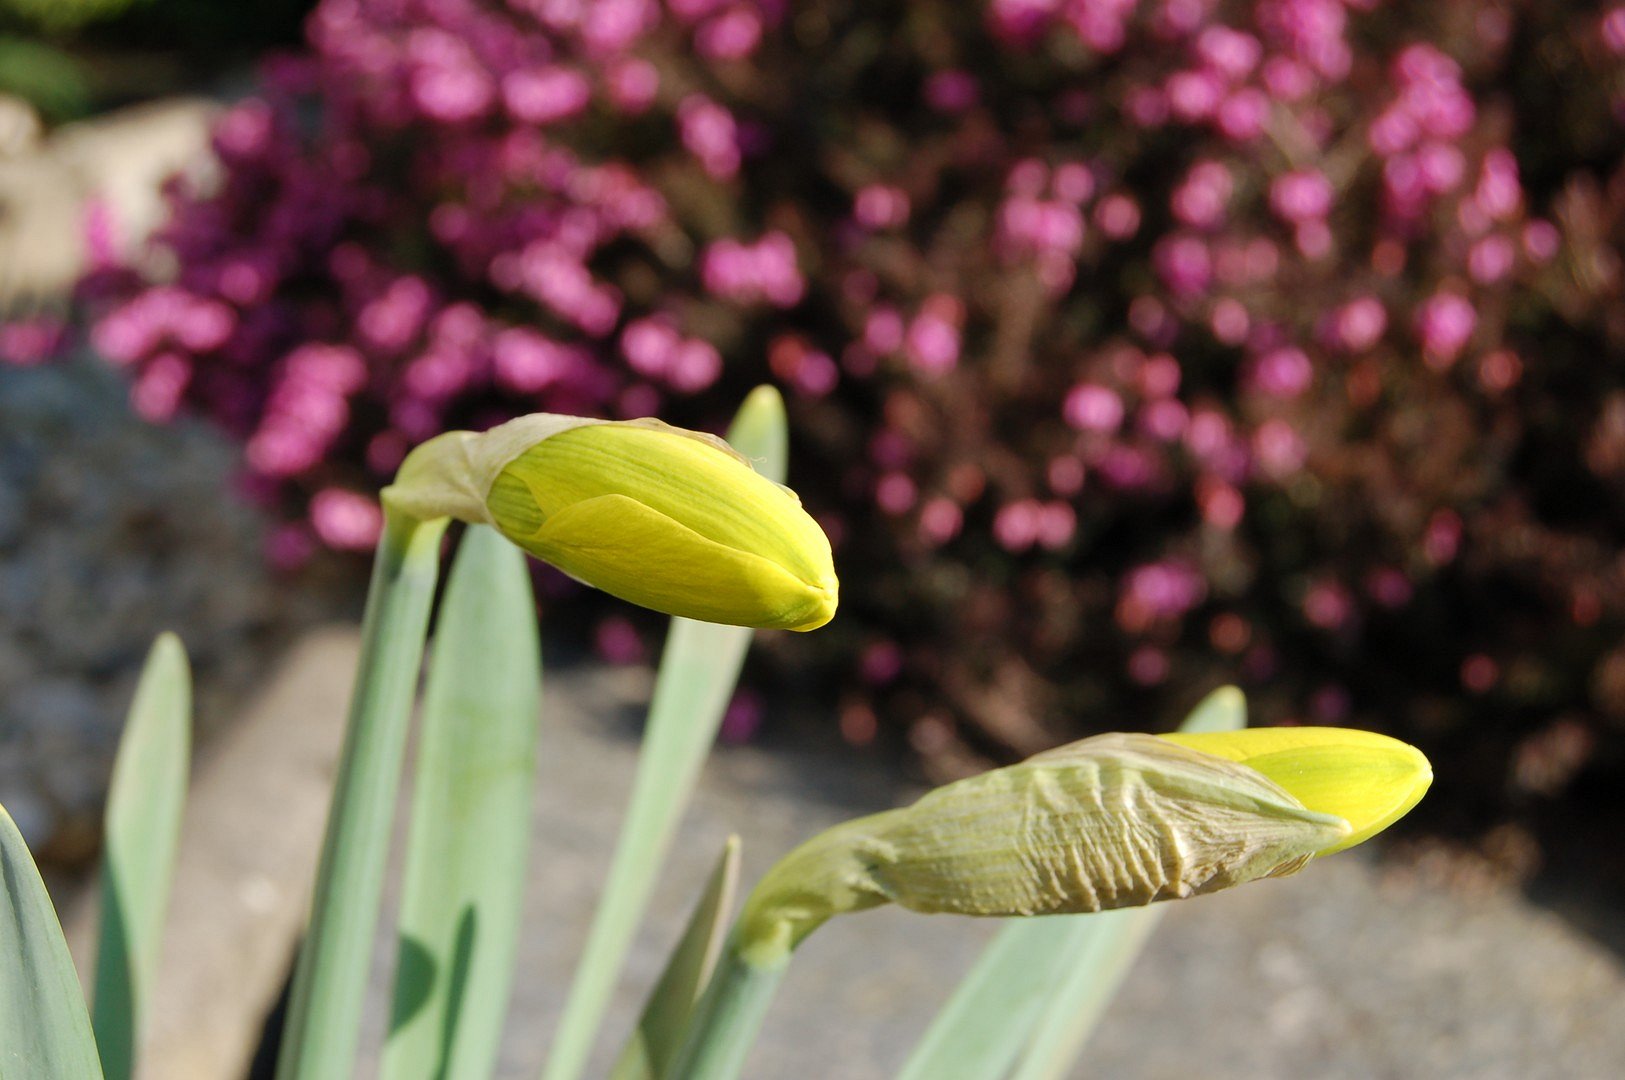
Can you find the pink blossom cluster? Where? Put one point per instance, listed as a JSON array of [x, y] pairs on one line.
[[749, 273], [1122, 336]]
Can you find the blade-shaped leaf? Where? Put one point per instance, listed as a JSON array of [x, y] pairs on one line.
[[1107, 954], [44, 1029], [698, 671], [465, 860], [1044, 978], [330, 977], [1102, 959], [654, 1041], [143, 824]]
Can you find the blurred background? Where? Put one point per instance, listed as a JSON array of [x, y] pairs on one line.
[[1132, 347]]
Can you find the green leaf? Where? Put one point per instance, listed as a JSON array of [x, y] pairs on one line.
[[654, 1042], [1041, 984], [464, 873], [44, 1029], [698, 671], [143, 825], [330, 978], [1102, 959]]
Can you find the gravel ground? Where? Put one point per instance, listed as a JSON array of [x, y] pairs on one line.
[[112, 530]]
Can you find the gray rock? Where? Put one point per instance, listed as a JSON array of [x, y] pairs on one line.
[[116, 530]]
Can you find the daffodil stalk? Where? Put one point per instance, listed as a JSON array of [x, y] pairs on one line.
[[1109, 822], [330, 978]]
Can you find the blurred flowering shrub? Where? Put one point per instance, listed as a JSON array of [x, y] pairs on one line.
[[1133, 343]]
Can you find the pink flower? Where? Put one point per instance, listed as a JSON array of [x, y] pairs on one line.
[[940, 521], [632, 85], [1148, 665], [1491, 259], [1282, 373], [881, 663], [1230, 52], [951, 92], [545, 95], [1091, 407], [1279, 449], [695, 365], [879, 206], [1541, 241], [26, 342], [527, 361], [1184, 264], [1444, 323], [617, 641], [1118, 216], [732, 35], [1499, 192], [883, 330], [1016, 525], [1301, 196], [1359, 324], [346, 520], [932, 341], [1327, 605], [1193, 95], [159, 388], [1159, 591], [742, 719], [751, 273], [1613, 30], [710, 133], [896, 494], [1200, 200], [1229, 321], [1241, 117]]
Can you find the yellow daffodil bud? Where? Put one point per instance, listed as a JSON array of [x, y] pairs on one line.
[[1369, 780], [670, 519], [1112, 821]]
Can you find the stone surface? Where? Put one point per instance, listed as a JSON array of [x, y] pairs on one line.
[[120, 160], [112, 530]]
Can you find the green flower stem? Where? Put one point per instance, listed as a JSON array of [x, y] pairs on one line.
[[727, 1019], [330, 981]]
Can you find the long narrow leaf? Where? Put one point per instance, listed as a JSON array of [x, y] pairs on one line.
[[1106, 956], [143, 825], [44, 1029], [1070, 1016], [1015, 991], [655, 1040], [698, 671], [465, 859], [330, 979]]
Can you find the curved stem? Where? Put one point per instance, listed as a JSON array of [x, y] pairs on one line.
[[728, 1018]]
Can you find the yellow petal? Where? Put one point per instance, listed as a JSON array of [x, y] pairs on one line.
[[714, 541], [1370, 780], [623, 547]]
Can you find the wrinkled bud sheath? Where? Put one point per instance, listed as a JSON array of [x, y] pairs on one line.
[[1113, 821], [1109, 822]]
